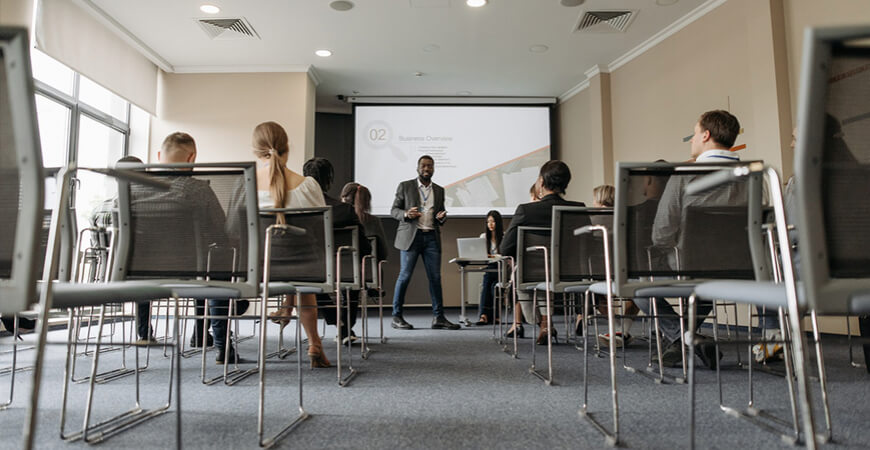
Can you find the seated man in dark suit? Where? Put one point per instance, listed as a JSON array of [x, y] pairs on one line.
[[553, 179], [343, 215]]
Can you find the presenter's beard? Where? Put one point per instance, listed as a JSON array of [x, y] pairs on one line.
[[425, 178]]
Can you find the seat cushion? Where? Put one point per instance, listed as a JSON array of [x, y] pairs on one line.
[[73, 295], [680, 290], [763, 293]]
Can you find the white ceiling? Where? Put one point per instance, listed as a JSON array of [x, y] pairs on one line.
[[379, 44]]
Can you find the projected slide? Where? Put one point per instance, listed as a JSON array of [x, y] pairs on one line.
[[486, 157]]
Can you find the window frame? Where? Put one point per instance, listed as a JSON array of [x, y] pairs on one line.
[[78, 108]]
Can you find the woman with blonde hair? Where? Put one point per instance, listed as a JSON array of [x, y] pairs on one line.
[[280, 187]]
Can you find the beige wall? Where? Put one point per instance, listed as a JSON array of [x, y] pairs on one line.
[[577, 148], [723, 60], [743, 56], [16, 12], [800, 14], [221, 110]]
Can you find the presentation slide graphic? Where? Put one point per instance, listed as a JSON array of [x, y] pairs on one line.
[[485, 157]]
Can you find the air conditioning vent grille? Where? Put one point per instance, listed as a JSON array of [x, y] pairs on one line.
[[604, 21], [227, 29]]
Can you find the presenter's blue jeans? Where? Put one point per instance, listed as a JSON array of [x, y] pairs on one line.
[[425, 245]]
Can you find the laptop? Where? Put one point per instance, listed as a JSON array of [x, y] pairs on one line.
[[472, 248]]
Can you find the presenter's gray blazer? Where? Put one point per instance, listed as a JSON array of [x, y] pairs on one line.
[[407, 197]]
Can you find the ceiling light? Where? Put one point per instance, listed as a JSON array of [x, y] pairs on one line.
[[665, 2], [209, 9], [475, 3], [323, 53], [431, 48], [539, 48], [341, 5], [571, 3], [418, 74]]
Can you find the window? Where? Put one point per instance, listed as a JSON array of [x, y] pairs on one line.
[[84, 123], [54, 120]]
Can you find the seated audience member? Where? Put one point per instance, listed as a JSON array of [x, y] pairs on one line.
[[359, 197], [603, 197], [517, 327], [493, 233], [343, 215], [552, 181], [715, 133], [280, 187], [103, 218], [197, 197]]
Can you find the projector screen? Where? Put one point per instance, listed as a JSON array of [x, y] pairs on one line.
[[486, 157]]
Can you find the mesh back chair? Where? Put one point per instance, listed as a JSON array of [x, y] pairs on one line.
[[22, 202], [21, 185], [193, 237], [581, 256], [303, 253], [831, 172], [655, 245]]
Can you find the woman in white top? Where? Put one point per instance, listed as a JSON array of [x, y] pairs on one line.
[[280, 187]]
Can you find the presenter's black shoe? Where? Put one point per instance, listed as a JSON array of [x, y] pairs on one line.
[[441, 323], [399, 323]]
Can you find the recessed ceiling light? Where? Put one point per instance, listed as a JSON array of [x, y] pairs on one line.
[[475, 3], [418, 74], [209, 9], [571, 3], [323, 53], [431, 48], [666, 2], [539, 48], [341, 5]]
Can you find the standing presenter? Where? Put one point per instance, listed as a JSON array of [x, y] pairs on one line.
[[419, 208]]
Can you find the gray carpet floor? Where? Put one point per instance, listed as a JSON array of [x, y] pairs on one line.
[[437, 389]]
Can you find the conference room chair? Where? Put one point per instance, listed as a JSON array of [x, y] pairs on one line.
[[324, 261], [832, 209], [644, 270], [592, 243], [22, 191], [533, 248], [563, 265]]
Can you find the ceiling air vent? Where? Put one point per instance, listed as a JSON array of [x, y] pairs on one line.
[[227, 29], [604, 21]]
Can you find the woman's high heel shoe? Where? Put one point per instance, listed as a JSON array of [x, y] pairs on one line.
[[281, 317], [542, 337], [519, 331], [318, 359]]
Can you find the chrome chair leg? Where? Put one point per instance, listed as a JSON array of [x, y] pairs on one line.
[[101, 431], [268, 442], [852, 362], [823, 380]]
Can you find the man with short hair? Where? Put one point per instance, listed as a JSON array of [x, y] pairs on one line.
[[180, 148], [715, 133], [419, 208]]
